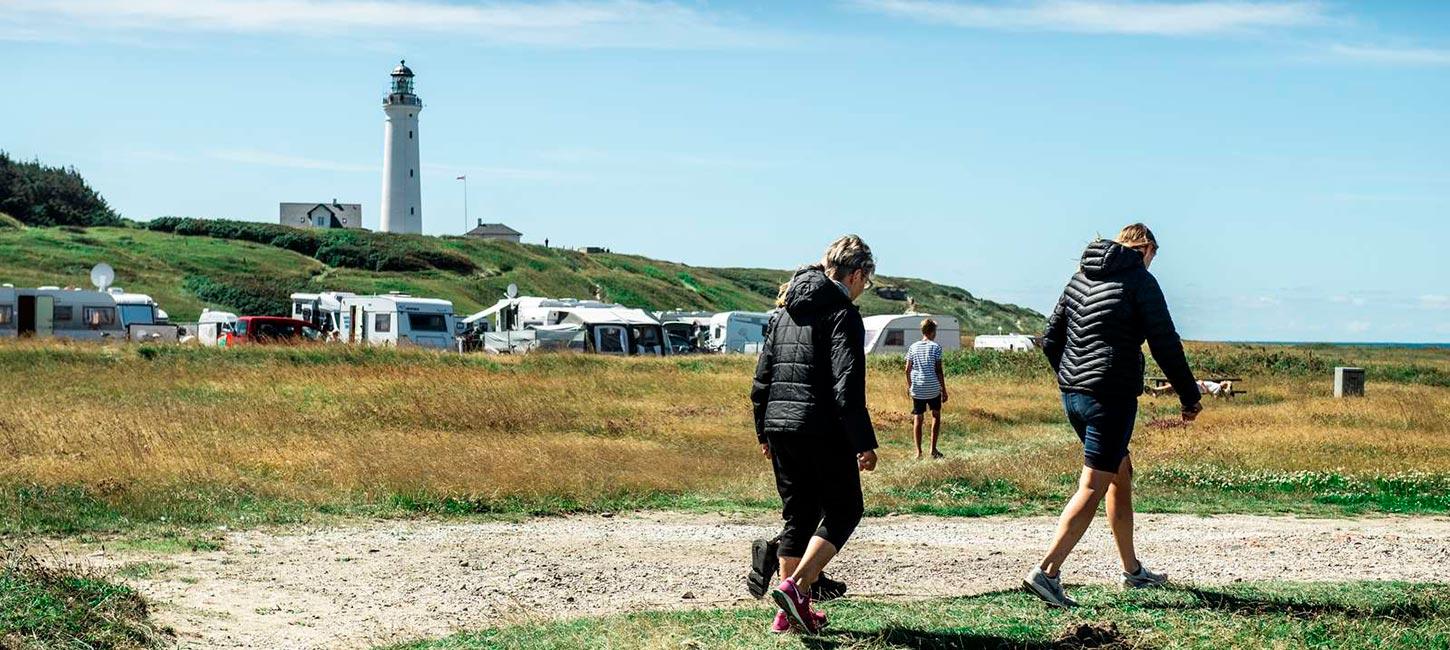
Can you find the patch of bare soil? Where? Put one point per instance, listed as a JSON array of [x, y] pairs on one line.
[[361, 584]]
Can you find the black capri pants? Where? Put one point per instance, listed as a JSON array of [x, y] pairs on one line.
[[820, 489]]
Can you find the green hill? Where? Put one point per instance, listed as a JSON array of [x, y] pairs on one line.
[[188, 264]]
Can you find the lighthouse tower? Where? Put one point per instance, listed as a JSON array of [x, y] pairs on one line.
[[402, 190]]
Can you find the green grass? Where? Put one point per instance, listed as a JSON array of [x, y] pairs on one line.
[[1367, 615], [252, 267], [58, 607]]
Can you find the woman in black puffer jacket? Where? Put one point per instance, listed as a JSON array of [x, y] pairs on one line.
[[811, 419], [1094, 341]]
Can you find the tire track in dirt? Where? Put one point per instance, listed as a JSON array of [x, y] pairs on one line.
[[363, 583]]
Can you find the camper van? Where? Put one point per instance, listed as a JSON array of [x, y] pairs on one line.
[[212, 327], [323, 310], [142, 318], [605, 328], [1008, 342], [46, 312], [687, 331], [738, 331], [395, 319], [893, 334]]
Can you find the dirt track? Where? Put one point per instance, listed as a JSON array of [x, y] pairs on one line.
[[377, 582]]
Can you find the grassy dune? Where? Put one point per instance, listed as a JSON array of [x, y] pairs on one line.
[[101, 438], [186, 271], [1369, 616]]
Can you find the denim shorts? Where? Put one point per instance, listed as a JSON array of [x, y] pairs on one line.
[[1105, 425]]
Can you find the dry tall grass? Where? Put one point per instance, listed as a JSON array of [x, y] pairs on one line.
[[316, 427]]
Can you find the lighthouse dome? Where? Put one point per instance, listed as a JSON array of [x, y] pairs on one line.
[[402, 70]]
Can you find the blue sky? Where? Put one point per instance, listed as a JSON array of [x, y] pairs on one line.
[[1293, 157]]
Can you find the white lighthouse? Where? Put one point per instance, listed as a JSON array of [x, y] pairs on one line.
[[402, 178]]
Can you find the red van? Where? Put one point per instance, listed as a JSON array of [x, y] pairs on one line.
[[271, 329]]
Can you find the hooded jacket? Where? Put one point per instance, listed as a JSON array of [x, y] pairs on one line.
[[811, 374], [1094, 338]]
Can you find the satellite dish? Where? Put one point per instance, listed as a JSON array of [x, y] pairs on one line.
[[512, 291], [102, 275]]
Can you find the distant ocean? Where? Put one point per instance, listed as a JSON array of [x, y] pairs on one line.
[[1364, 344]]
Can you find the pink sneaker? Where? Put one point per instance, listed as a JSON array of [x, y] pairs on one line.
[[781, 625], [795, 604]]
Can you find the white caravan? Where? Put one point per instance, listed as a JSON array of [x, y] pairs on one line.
[[893, 334], [607, 328], [46, 312], [396, 319], [1007, 342], [212, 327], [738, 331]]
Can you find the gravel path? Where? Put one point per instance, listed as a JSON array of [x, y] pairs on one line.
[[376, 582]]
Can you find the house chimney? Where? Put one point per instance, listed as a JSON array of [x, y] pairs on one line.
[[480, 222]]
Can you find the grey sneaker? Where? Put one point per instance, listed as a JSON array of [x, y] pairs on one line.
[[1049, 589], [1143, 578]]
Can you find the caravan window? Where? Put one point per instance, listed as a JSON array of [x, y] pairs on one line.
[[137, 314], [427, 323], [99, 316], [382, 322], [895, 337], [61, 313], [7, 314]]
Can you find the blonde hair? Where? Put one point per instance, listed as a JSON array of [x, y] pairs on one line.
[[928, 327], [1137, 237], [848, 254]]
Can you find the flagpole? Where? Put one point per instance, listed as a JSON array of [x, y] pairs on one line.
[[464, 178]]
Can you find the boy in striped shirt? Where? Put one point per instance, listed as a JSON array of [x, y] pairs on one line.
[[927, 384]]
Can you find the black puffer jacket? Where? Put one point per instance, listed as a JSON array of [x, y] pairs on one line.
[[1095, 335], [811, 375]]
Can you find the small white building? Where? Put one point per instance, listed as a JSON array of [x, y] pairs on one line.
[[496, 231], [893, 334], [320, 215]]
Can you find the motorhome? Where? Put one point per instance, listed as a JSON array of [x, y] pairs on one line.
[[738, 331], [1008, 342], [395, 319], [212, 327], [46, 312], [142, 318], [893, 334], [323, 310], [606, 328]]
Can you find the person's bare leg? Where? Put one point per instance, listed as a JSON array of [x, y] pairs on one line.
[[818, 553], [935, 432], [788, 565], [916, 421], [1120, 514], [1076, 517]]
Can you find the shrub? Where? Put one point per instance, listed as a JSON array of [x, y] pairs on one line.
[[257, 296], [343, 248], [38, 195]]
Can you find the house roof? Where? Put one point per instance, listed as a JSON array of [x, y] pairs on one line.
[[493, 229]]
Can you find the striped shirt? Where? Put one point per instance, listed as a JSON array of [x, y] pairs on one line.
[[924, 355]]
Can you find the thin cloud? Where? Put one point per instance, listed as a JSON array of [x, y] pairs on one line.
[[273, 159], [1393, 55], [566, 23], [1106, 16]]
